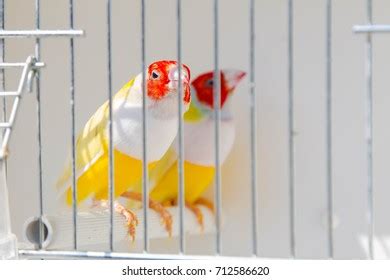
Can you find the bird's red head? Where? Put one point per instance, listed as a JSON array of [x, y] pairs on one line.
[[163, 78], [204, 86]]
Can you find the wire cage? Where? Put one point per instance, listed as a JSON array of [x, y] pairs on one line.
[[299, 181]]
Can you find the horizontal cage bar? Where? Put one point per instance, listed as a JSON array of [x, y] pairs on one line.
[[40, 33], [9, 93], [5, 125], [371, 28], [111, 255], [21, 64]]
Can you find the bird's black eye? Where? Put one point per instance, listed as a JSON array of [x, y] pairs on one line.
[[210, 83], [155, 75]]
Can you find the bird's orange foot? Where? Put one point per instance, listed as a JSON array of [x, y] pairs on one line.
[[206, 203], [166, 217], [194, 208], [168, 203], [131, 219], [130, 216]]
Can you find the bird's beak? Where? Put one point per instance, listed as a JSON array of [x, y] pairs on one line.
[[173, 75], [185, 75], [232, 78]]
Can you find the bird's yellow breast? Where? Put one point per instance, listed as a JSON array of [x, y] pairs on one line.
[[196, 180], [94, 182]]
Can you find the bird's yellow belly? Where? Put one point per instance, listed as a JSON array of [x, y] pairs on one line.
[[94, 182], [196, 179]]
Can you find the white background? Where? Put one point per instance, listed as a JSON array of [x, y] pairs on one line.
[[349, 181]]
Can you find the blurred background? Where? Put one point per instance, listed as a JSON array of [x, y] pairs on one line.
[[349, 150]]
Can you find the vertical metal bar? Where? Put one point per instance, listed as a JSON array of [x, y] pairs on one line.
[[217, 116], [110, 130], [2, 72], [180, 137], [38, 92], [145, 189], [369, 131], [253, 143], [329, 125], [2, 58], [291, 126], [73, 145]]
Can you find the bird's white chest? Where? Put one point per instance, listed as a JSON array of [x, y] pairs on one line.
[[128, 136], [199, 141]]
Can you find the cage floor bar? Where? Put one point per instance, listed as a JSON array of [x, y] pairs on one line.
[[114, 255]]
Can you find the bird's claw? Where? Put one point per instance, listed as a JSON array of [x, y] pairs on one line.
[[194, 208], [166, 217], [206, 203], [130, 217]]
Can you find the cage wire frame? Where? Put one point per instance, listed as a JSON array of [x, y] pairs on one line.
[[38, 34]]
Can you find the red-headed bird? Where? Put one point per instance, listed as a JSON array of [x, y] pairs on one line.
[[92, 145], [199, 145]]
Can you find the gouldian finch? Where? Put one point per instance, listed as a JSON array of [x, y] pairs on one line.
[[92, 144], [199, 160]]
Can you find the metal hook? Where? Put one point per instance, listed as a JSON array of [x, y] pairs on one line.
[[31, 76]]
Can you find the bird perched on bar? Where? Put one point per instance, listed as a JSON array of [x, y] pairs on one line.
[[199, 144], [92, 144]]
